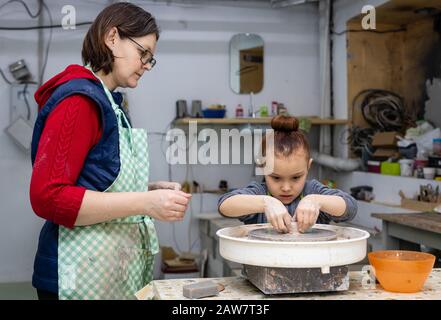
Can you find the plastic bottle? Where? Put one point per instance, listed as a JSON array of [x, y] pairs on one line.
[[239, 111], [281, 109], [437, 147], [274, 105]]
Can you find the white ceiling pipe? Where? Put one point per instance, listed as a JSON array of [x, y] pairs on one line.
[[288, 3], [338, 164]]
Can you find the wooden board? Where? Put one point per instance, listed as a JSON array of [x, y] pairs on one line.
[[401, 12], [424, 221], [398, 61], [373, 62]]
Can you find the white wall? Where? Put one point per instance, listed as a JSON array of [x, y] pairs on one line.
[[193, 63]]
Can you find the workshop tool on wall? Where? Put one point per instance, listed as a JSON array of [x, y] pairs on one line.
[[277, 263], [181, 109], [196, 109]]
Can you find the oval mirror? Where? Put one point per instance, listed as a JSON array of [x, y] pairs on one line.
[[246, 63]]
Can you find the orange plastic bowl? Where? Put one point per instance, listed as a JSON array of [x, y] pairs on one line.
[[401, 271]]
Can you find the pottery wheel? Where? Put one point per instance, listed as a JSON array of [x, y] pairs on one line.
[[270, 234]]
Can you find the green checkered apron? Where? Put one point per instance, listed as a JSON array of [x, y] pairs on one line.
[[114, 259]]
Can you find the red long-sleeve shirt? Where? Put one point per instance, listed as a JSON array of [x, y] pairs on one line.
[[70, 131]]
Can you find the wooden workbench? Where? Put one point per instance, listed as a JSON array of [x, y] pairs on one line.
[[238, 288], [407, 231]]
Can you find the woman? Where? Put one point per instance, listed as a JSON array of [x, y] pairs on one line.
[[90, 169]]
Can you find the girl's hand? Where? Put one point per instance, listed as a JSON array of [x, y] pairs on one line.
[[167, 205], [307, 213], [276, 214], [164, 185]]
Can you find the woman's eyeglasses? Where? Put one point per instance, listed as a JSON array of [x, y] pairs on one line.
[[146, 55]]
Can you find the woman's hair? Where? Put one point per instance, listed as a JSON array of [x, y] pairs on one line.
[[287, 137], [130, 20]]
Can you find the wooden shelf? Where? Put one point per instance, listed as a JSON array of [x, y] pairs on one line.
[[423, 180], [263, 120], [212, 191]]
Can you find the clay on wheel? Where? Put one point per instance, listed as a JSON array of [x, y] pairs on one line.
[[271, 234]]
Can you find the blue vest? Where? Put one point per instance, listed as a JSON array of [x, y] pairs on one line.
[[100, 169]]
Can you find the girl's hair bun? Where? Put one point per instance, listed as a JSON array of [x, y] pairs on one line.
[[285, 123]]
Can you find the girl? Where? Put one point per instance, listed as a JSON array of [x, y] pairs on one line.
[[90, 169], [286, 195]]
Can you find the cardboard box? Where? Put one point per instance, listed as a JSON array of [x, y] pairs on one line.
[[412, 204], [385, 153], [418, 205], [385, 139]]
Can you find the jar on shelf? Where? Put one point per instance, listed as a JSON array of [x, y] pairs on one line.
[[239, 111], [437, 146], [274, 106], [263, 111]]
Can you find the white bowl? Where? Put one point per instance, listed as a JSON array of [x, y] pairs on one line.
[[429, 173]]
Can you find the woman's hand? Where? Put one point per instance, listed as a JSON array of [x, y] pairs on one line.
[[307, 213], [167, 205], [277, 215], [165, 185]]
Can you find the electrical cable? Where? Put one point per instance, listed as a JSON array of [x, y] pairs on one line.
[[201, 206], [170, 179], [25, 93], [191, 244], [331, 79], [4, 77], [189, 226], [43, 27], [26, 7], [358, 139], [174, 238], [163, 135], [382, 109], [43, 69], [191, 209], [189, 169], [39, 12]]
